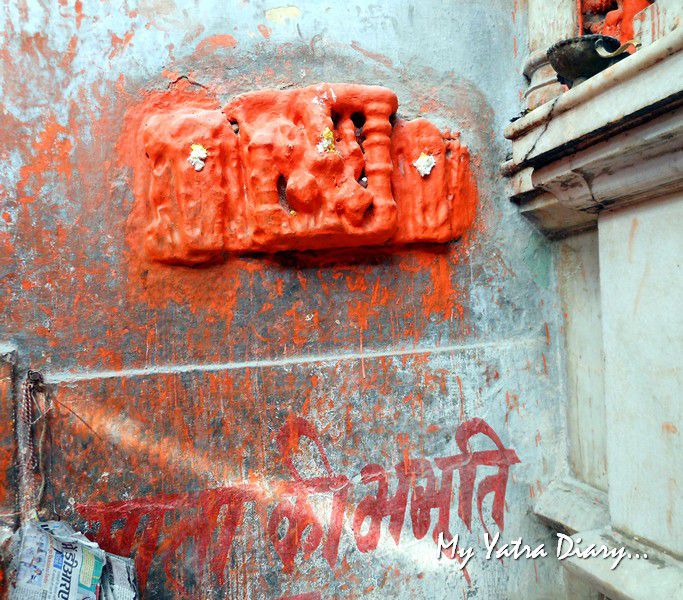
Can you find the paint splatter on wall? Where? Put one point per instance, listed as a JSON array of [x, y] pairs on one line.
[[171, 382]]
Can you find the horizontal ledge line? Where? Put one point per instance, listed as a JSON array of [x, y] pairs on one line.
[[73, 376]]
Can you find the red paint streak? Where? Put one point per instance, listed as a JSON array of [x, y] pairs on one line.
[[511, 403], [264, 31], [462, 398], [380, 58], [441, 297], [144, 519], [70, 53]]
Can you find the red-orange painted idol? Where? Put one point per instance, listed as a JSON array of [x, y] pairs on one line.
[[326, 166], [617, 21]]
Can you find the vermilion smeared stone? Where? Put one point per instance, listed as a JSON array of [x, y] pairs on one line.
[[326, 166]]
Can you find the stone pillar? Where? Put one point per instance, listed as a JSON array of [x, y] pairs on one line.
[[642, 290], [548, 23]]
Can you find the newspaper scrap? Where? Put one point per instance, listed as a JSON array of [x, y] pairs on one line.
[[118, 579], [53, 561]]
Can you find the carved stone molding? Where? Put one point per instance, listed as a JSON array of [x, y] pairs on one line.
[[542, 78], [614, 140], [326, 166]]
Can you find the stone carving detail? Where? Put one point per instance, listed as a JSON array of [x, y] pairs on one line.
[[438, 207], [323, 154], [327, 166]]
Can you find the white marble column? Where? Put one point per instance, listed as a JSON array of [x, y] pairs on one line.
[[641, 280]]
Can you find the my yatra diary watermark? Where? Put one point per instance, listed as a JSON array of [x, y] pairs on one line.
[[566, 547]]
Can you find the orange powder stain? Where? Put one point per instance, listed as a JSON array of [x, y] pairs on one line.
[[266, 307], [170, 75], [119, 44], [303, 326], [78, 8], [360, 313], [357, 283], [441, 298], [51, 153], [214, 42], [68, 56], [511, 403], [430, 105], [403, 442], [618, 22]]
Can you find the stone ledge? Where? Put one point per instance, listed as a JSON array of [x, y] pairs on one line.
[[569, 506], [627, 93], [613, 140], [658, 576], [643, 163]]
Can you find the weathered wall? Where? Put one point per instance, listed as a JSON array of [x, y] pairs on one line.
[[579, 284], [171, 381]]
